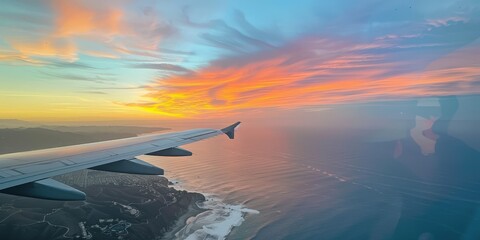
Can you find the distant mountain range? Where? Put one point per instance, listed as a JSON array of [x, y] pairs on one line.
[[15, 123], [17, 135]]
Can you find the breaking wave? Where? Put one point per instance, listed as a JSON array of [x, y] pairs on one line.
[[216, 222]]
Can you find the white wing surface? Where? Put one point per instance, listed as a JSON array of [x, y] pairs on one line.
[[28, 173]]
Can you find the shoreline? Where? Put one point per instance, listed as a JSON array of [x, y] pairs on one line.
[[212, 218], [181, 222]]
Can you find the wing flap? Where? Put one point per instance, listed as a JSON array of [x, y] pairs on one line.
[[132, 166], [171, 152]]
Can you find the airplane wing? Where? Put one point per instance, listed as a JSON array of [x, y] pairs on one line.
[[28, 173]]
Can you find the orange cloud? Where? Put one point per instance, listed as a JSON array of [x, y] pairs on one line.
[[305, 74], [105, 29], [61, 48], [100, 54], [74, 18]]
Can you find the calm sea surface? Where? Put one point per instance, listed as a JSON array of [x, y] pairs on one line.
[[329, 184]]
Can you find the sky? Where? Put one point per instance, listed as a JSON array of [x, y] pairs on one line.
[[124, 59]]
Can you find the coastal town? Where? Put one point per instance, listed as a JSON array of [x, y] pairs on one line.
[[118, 206]]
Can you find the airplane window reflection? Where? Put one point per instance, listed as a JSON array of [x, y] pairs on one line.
[[440, 166]]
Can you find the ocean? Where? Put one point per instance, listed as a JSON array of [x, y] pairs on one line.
[[324, 183]]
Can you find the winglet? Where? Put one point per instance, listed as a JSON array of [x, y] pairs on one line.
[[230, 130]]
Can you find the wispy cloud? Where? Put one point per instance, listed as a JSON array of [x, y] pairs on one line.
[[242, 39], [63, 49], [308, 72], [442, 22], [76, 77], [93, 92], [102, 30], [162, 67], [76, 18]]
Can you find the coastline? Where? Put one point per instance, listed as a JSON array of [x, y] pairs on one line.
[[181, 222], [211, 218], [117, 206]]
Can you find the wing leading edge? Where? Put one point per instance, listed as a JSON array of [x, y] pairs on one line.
[[28, 173]]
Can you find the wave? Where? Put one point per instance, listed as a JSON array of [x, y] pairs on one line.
[[216, 222]]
